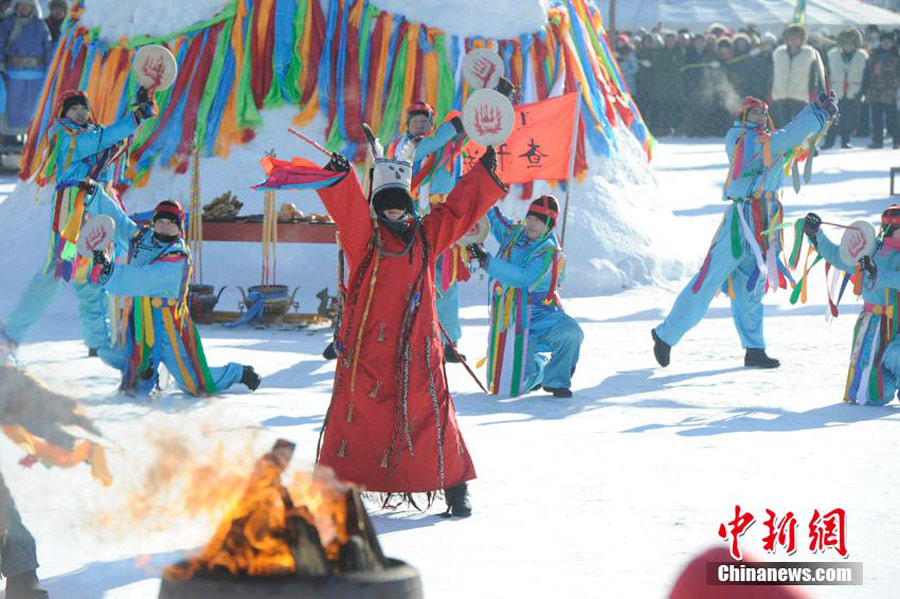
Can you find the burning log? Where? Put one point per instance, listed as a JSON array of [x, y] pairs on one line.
[[312, 540]]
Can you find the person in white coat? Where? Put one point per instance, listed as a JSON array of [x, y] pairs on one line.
[[797, 71], [846, 69]]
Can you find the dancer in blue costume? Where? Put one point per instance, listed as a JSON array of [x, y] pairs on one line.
[[742, 258], [83, 158], [158, 325], [434, 152], [527, 319], [874, 374]]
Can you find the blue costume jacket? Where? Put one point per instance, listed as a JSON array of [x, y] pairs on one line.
[[158, 326]]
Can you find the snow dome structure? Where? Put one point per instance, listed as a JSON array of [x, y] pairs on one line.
[[249, 69]]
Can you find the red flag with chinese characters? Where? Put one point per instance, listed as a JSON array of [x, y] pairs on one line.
[[540, 145]]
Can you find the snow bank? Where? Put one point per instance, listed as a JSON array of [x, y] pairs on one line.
[[119, 19], [619, 233], [499, 19], [461, 17]]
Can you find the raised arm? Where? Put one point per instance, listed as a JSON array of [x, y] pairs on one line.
[[347, 205], [88, 143], [444, 135], [810, 120], [473, 195]]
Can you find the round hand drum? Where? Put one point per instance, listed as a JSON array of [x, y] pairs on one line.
[[96, 234], [482, 68], [858, 241], [155, 67], [488, 117]]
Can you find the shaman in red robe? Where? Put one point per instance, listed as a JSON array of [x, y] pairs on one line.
[[391, 426]]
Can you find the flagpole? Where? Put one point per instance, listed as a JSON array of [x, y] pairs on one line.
[[562, 238]]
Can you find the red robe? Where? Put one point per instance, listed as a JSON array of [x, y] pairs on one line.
[[372, 423]]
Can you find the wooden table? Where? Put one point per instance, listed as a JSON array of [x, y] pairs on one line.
[[288, 232]]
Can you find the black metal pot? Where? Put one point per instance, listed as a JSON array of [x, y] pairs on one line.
[[276, 301], [202, 300], [398, 581]]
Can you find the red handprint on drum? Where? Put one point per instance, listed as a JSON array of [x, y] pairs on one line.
[[95, 238], [488, 120], [484, 69], [155, 70], [856, 243]]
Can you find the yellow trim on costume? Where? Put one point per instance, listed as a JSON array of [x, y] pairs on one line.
[[73, 227], [147, 312]]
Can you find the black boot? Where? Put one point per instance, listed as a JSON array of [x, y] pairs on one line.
[[250, 378], [458, 501], [561, 392], [757, 358], [25, 586], [661, 349], [92, 352], [451, 356], [330, 353]]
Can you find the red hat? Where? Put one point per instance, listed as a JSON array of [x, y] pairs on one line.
[[71, 98], [692, 584], [750, 102], [891, 216], [171, 210], [545, 208], [420, 108]]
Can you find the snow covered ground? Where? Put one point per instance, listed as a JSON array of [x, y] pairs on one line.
[[607, 494]]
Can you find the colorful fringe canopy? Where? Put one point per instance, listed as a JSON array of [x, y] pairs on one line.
[[350, 61]]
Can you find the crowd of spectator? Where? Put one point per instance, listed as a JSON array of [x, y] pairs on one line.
[[692, 83], [27, 40]]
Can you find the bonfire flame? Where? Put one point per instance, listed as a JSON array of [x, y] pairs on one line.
[[275, 530]]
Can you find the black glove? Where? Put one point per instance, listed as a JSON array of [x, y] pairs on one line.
[[144, 110], [143, 96], [476, 250], [868, 266], [338, 164], [89, 186], [101, 260], [828, 103], [811, 226], [506, 87], [489, 159], [458, 125], [101, 269]]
